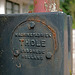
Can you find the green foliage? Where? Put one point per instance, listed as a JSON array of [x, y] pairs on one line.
[[73, 26], [72, 11], [68, 6], [65, 6], [31, 7]]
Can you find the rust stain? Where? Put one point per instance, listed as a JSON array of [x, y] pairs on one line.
[[50, 28], [19, 65], [22, 44], [37, 19]]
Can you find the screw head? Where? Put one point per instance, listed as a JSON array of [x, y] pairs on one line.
[[48, 55], [32, 25], [16, 53]]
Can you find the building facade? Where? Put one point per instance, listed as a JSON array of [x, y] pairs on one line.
[[15, 6]]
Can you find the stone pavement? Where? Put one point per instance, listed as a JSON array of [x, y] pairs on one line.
[[73, 52]]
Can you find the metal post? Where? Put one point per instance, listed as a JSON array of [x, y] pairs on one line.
[[46, 5]]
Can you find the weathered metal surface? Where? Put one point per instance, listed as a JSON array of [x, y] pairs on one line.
[[46, 5], [33, 44], [70, 57]]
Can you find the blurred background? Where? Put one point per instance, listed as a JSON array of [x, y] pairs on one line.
[[15, 6], [23, 6], [68, 6]]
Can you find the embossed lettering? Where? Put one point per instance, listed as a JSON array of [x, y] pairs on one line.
[[38, 43], [32, 57], [23, 51], [27, 50], [27, 42], [36, 51], [43, 43], [31, 34], [27, 34], [32, 42], [45, 35]]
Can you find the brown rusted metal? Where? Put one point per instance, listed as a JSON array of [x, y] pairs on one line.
[[50, 28], [46, 5], [37, 19]]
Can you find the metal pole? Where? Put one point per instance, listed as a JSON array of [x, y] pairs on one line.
[[46, 5]]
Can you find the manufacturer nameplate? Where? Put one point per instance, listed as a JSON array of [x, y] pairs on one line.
[[32, 40]]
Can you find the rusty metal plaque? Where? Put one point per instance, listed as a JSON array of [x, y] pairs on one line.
[[34, 43]]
